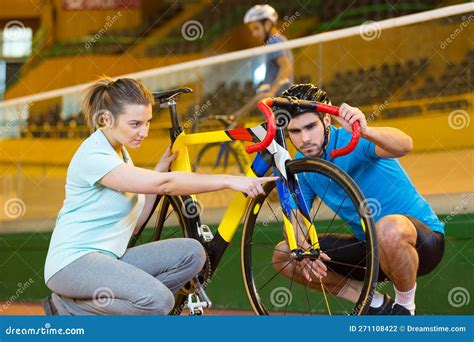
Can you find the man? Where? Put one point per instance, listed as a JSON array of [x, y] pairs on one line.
[[410, 236], [261, 21]]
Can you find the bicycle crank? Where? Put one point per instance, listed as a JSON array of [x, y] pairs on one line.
[[198, 300]]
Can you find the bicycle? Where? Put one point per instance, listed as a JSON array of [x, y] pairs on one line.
[[260, 237], [220, 158]]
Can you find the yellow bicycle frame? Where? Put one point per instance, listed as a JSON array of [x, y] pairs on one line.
[[238, 206]]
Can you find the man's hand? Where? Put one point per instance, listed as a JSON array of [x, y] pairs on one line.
[[314, 268], [166, 160], [348, 115]]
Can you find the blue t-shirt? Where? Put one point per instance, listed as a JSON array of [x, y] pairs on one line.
[[93, 218], [385, 184], [272, 67]]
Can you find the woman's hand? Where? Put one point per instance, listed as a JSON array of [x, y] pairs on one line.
[[249, 185], [348, 115], [166, 159]]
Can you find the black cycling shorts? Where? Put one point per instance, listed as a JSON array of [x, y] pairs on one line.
[[348, 253]]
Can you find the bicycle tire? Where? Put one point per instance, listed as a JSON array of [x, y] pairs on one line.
[[354, 193]]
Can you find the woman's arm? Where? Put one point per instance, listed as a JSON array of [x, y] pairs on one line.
[[127, 178]]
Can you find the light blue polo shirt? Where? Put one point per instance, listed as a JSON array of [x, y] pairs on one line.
[[384, 182], [93, 218]]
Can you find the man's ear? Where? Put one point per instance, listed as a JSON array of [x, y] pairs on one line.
[[327, 120]]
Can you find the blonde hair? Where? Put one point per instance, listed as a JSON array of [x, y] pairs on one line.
[[108, 95]]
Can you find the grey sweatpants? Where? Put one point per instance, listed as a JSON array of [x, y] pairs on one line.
[[142, 282]]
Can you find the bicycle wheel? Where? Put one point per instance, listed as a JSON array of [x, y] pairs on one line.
[[273, 285], [174, 219]]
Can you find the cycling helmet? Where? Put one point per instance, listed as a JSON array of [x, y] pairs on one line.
[[259, 13]]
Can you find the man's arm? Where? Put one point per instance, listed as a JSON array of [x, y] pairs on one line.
[[285, 71], [389, 142]]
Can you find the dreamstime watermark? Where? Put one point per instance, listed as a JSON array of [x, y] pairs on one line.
[[371, 206], [20, 116], [22, 287], [14, 208], [275, 213], [466, 20], [192, 30], [14, 30], [287, 21], [458, 296], [192, 208], [460, 207], [379, 287], [280, 297], [103, 296], [108, 24], [459, 119], [377, 112], [282, 118], [197, 114], [46, 330], [370, 30]]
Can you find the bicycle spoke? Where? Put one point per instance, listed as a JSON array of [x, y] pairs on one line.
[[271, 263], [274, 214], [317, 209], [342, 247], [332, 295], [273, 277], [272, 248], [346, 264], [307, 297], [291, 285]]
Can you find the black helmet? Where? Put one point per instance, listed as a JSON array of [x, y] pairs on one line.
[[308, 92]]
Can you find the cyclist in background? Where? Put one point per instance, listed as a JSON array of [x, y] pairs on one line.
[[262, 20]]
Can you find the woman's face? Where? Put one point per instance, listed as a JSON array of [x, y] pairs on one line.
[[131, 127]]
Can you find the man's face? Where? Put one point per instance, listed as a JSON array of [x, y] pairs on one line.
[[259, 30], [306, 132]]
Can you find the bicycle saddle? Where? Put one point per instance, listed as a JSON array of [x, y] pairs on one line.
[[162, 96]]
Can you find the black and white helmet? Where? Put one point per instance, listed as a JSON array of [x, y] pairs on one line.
[[261, 12]]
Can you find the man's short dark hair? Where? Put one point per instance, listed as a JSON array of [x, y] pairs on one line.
[[307, 91]]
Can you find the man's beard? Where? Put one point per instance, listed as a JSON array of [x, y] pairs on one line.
[[315, 150]]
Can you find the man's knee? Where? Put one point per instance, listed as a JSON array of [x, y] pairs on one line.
[[392, 230], [280, 255]]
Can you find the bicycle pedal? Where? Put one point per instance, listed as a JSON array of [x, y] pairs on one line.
[[206, 233], [196, 306]]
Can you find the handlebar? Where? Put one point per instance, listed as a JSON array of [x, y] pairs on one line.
[[264, 107], [293, 104]]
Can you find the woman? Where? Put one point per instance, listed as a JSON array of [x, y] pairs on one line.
[[88, 266]]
